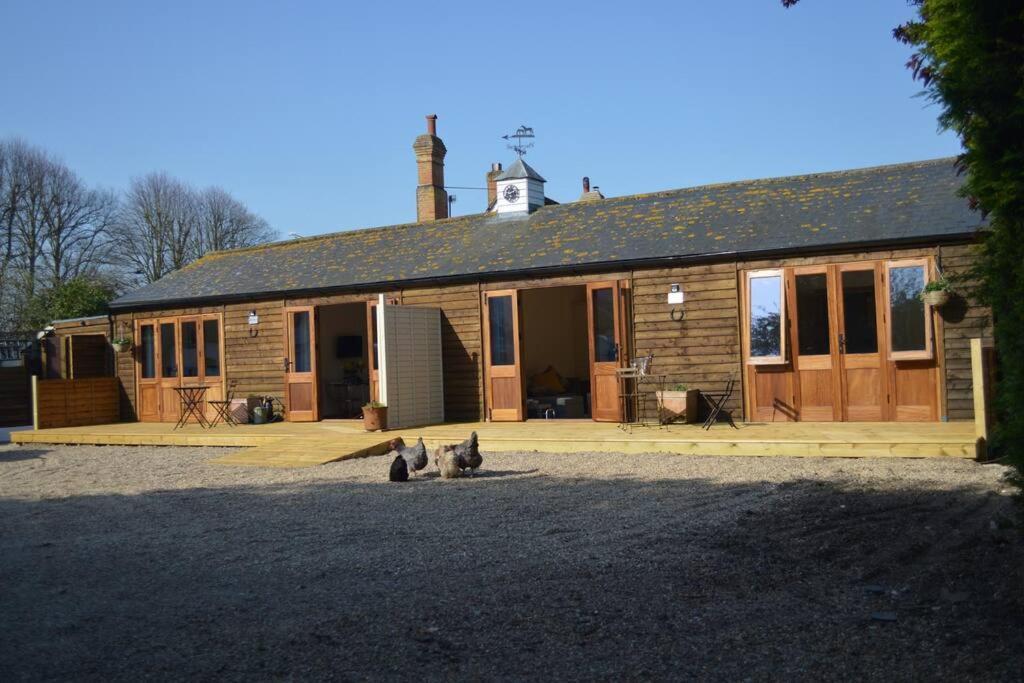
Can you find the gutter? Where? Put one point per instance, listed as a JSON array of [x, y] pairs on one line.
[[546, 271]]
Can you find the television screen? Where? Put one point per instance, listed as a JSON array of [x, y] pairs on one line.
[[350, 346]]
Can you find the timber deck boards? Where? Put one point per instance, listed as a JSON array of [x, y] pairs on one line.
[[287, 444]]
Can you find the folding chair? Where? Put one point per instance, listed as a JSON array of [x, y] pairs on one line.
[[716, 401], [223, 409]]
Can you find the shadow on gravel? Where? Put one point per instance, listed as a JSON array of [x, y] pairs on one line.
[[22, 454], [513, 577]]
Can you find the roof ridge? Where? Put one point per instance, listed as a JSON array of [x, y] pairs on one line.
[[774, 179], [337, 233]]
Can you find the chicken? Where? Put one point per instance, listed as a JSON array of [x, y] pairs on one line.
[[468, 454], [415, 458], [447, 462], [399, 471]]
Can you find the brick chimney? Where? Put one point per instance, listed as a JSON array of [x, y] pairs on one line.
[[431, 198], [492, 184]]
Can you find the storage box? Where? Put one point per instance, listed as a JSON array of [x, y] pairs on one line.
[[240, 410]]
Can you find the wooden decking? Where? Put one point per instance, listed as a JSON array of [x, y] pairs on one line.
[[298, 445]]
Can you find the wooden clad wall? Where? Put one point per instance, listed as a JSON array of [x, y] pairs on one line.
[[962, 319], [460, 339], [703, 349], [124, 369], [254, 366], [76, 402]]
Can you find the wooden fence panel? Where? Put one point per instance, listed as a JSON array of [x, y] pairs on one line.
[[15, 396], [75, 402]]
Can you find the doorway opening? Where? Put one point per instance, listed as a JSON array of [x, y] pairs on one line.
[[343, 360], [555, 350]]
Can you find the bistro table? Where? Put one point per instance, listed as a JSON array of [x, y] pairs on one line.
[[192, 405]]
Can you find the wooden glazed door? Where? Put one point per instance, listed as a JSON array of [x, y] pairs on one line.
[[148, 382], [814, 343], [604, 323], [300, 364], [861, 343], [168, 369], [502, 356]]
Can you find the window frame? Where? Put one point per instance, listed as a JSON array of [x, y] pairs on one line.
[[928, 352], [757, 274]]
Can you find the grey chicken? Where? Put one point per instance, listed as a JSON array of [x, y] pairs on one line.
[[415, 458], [468, 454]]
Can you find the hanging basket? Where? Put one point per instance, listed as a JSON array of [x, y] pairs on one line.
[[122, 346], [936, 298]]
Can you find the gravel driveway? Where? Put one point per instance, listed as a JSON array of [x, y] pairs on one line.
[[131, 562]]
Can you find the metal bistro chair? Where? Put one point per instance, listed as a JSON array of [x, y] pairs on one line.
[[716, 401], [223, 408]]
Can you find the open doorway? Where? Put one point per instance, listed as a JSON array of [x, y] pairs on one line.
[[343, 360], [555, 352]]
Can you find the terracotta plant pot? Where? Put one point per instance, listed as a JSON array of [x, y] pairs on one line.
[[680, 406], [935, 298], [375, 419]]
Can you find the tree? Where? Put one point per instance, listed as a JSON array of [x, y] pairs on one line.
[[970, 59], [165, 225], [226, 223], [76, 298]]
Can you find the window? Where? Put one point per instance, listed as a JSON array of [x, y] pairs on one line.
[[605, 348], [499, 312], [860, 326], [909, 318], [147, 354], [168, 356], [812, 314], [211, 348], [766, 311], [189, 349], [300, 342]]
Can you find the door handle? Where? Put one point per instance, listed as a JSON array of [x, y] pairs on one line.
[[842, 343], [286, 364]]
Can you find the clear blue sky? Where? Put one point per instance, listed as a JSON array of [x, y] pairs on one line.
[[307, 111]]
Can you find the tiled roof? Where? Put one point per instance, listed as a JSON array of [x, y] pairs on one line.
[[899, 203]]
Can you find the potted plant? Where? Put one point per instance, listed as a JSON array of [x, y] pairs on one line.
[[375, 416], [679, 403], [936, 293], [122, 344]]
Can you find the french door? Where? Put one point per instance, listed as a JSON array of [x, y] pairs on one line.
[[300, 364], [606, 337], [503, 370], [862, 343], [174, 352]]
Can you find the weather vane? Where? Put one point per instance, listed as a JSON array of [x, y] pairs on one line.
[[522, 134]]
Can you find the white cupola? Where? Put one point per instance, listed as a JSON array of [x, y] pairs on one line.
[[520, 189]]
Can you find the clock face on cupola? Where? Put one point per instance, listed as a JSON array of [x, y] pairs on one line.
[[520, 189]]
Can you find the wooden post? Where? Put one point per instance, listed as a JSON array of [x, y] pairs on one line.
[[35, 402], [979, 384]]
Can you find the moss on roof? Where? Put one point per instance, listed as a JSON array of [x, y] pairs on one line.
[[824, 210]]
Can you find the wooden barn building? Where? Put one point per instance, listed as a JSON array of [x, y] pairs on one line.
[[804, 289]]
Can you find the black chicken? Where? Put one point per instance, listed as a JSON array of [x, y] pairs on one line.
[[415, 458], [399, 471]]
